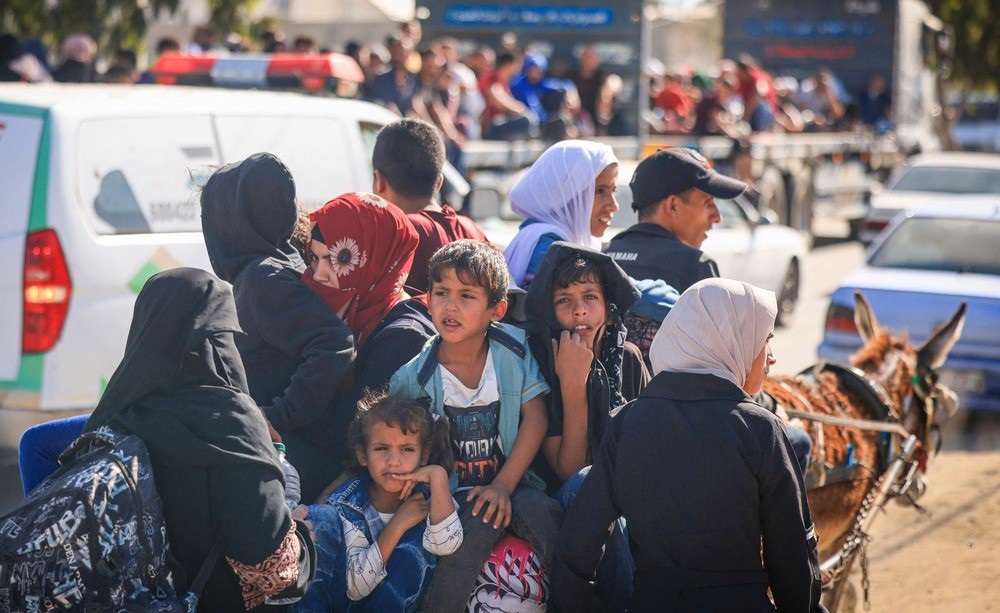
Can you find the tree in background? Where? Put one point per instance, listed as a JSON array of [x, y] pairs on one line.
[[975, 56], [976, 44], [114, 24]]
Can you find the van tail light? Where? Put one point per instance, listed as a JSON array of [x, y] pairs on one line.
[[875, 225], [46, 291], [840, 319]]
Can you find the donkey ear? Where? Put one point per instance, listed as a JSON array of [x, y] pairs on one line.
[[936, 348], [864, 318]]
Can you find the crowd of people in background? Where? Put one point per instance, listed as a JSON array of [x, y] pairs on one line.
[[739, 96], [511, 91]]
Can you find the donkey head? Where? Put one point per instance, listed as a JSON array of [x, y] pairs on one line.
[[909, 373]]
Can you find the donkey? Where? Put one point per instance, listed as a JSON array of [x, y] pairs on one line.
[[891, 381]]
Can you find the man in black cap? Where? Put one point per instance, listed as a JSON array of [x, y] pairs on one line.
[[673, 192]]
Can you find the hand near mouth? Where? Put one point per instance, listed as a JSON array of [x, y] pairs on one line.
[[425, 474], [572, 356]]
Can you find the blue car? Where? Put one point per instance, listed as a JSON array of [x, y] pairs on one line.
[[916, 274]]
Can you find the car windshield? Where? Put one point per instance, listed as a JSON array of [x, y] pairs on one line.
[[937, 243], [950, 179], [984, 110]]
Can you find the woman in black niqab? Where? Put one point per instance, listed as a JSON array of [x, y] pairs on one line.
[[181, 387]]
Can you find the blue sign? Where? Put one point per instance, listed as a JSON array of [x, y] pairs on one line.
[[529, 16], [806, 28]]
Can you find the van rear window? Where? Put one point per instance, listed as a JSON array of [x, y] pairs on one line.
[[316, 149], [140, 175]]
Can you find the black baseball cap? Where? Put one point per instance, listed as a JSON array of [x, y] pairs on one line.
[[672, 171]]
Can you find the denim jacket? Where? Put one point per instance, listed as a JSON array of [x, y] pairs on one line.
[[517, 375], [354, 503], [399, 591]]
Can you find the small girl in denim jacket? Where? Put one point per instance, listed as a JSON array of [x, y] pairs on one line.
[[378, 536]]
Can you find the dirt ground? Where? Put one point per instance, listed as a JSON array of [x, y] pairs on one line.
[[948, 560]]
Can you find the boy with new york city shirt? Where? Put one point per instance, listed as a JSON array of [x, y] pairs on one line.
[[479, 375]]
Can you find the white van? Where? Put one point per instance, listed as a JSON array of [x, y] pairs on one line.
[[99, 191]]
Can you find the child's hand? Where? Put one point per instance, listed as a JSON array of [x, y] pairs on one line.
[[275, 437], [425, 474], [300, 513], [413, 511], [573, 357], [496, 500]]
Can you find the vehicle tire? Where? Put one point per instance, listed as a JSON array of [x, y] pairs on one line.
[[788, 297]]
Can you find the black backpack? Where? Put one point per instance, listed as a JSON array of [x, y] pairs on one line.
[[92, 537]]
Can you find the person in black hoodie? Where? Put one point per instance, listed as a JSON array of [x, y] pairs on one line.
[[181, 388], [574, 308], [296, 350]]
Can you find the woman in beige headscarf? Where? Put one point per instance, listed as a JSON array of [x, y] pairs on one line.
[[702, 474]]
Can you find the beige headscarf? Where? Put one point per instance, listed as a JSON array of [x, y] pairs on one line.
[[717, 327]]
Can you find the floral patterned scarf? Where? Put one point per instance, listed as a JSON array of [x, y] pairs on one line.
[[372, 244]]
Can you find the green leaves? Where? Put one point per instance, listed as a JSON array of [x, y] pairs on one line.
[[114, 24], [977, 41]]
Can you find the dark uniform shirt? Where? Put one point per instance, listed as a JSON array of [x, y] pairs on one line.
[[649, 251]]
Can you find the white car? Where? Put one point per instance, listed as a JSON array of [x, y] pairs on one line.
[[916, 274], [925, 179], [746, 245], [978, 127]]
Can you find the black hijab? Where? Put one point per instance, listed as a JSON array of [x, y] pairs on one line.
[[248, 213], [181, 386]]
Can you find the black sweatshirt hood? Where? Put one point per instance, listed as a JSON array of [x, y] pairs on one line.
[[619, 292], [248, 213]]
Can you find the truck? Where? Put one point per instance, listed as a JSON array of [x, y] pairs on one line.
[[800, 176], [797, 176]]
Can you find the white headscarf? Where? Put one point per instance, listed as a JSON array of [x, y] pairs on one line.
[[558, 193], [717, 327]]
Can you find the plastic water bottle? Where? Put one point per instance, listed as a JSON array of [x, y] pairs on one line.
[[293, 490]]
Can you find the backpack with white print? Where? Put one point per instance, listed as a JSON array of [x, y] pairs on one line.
[[91, 537]]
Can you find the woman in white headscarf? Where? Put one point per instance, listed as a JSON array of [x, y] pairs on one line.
[[568, 194], [702, 474]]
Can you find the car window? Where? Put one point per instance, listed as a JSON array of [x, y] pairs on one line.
[[949, 179], [369, 134], [135, 174], [316, 150], [732, 215], [931, 243], [983, 110]]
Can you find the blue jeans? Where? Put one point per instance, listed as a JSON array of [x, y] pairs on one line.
[[536, 519], [408, 570], [40, 447], [616, 569]]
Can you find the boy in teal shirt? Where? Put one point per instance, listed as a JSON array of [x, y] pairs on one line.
[[480, 375]]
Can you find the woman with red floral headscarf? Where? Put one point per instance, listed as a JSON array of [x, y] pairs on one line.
[[360, 254]]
